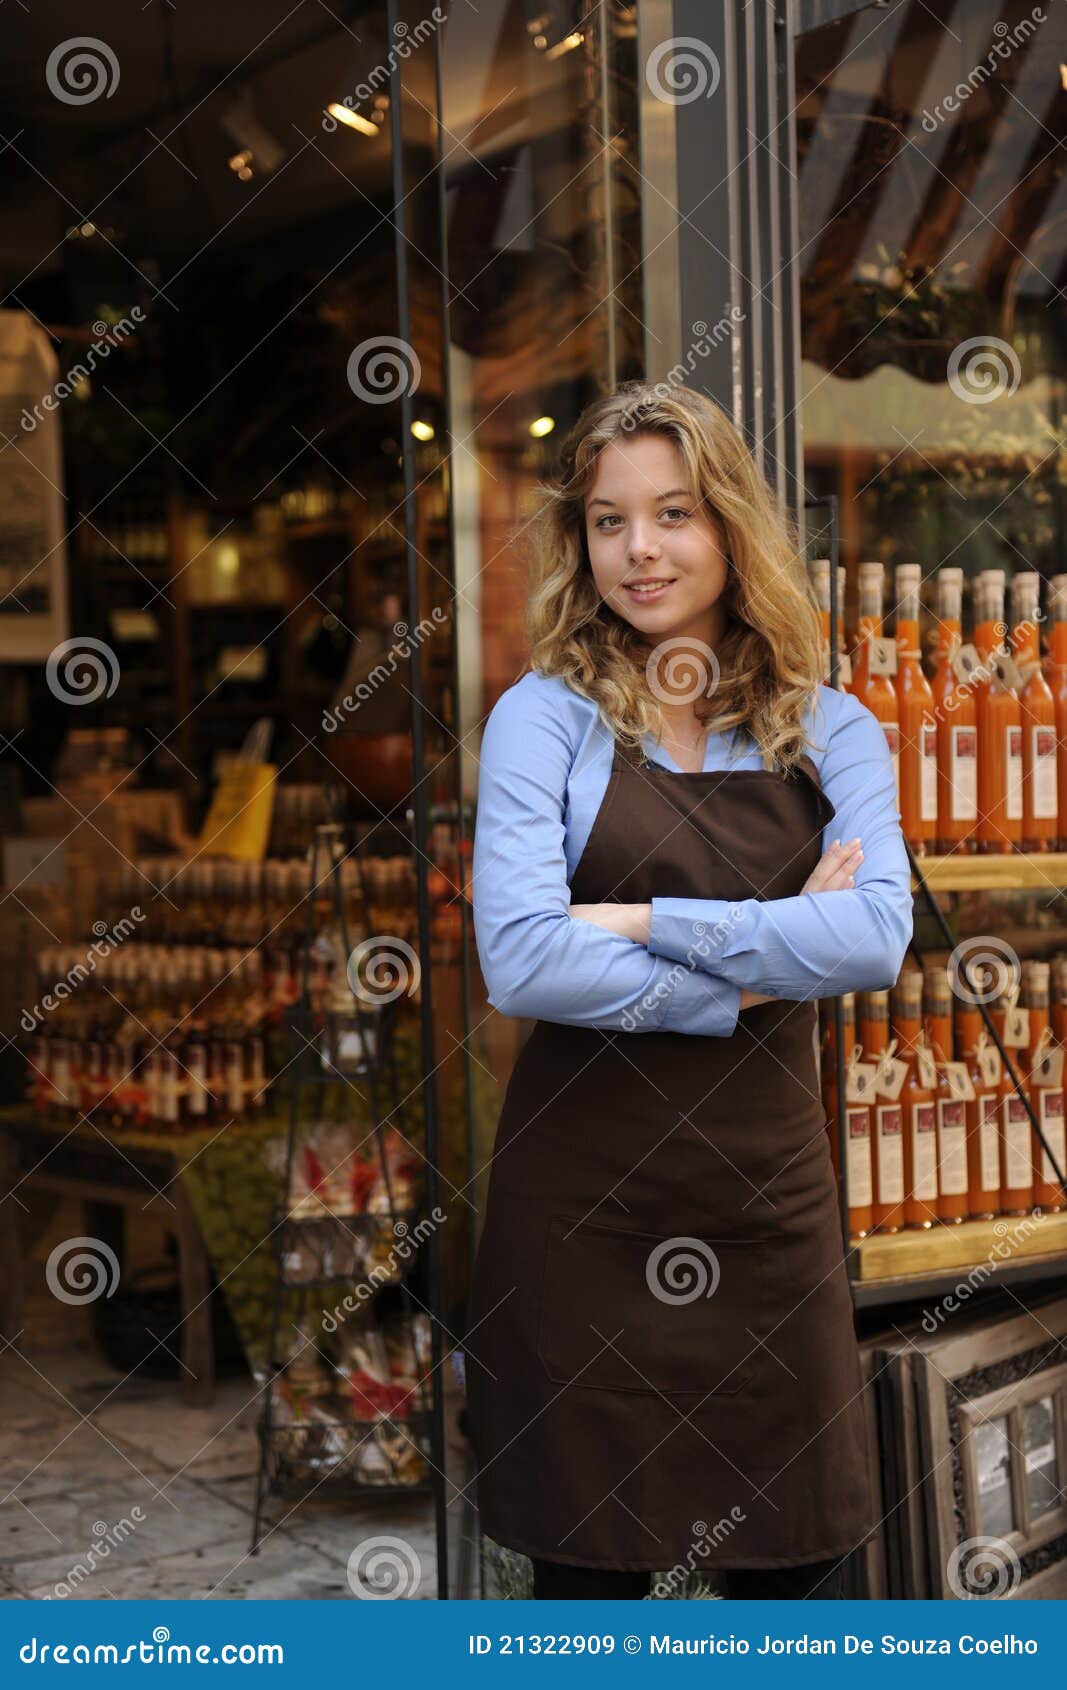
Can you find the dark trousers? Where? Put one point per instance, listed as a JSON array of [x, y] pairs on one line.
[[822, 1581]]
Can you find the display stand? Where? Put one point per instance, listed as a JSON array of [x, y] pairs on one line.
[[321, 1256]]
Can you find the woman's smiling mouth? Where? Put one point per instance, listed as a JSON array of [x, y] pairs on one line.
[[646, 592]]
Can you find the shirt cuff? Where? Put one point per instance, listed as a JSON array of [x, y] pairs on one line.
[[678, 932], [700, 1004]]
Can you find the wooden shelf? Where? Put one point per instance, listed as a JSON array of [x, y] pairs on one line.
[[1012, 872], [917, 1261]]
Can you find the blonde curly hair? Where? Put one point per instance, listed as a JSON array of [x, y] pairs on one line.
[[770, 659]]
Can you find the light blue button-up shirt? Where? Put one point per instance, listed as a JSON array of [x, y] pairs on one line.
[[545, 758]]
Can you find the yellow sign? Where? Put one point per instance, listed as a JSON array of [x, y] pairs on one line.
[[238, 823]]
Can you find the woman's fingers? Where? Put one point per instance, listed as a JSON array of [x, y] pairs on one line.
[[836, 868]]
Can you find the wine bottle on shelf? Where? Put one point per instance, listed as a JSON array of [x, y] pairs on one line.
[[859, 1092], [1044, 1059], [953, 1086], [983, 1112], [915, 713], [1037, 712], [957, 731], [874, 662], [918, 1098], [1057, 676], [887, 1115], [1000, 735]]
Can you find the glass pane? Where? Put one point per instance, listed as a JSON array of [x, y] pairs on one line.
[[1039, 1450], [933, 259], [992, 1460]]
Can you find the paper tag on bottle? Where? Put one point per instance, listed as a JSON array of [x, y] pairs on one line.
[[890, 1078], [1049, 1070], [965, 661], [989, 1064], [1006, 670], [960, 1084], [860, 1082], [883, 655], [1016, 1034], [927, 1066]]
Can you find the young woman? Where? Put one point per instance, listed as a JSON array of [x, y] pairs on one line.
[[683, 840]]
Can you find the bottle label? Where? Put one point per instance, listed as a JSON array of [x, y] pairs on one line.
[[1013, 763], [989, 1064], [1016, 1034], [963, 774], [859, 1158], [989, 1142], [196, 1062], [927, 1066], [889, 1147], [1043, 763], [952, 1147], [967, 659], [928, 781], [1052, 1123], [1018, 1156], [960, 1084], [882, 655], [924, 1151]]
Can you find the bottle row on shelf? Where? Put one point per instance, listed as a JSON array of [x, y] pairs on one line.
[[194, 1035], [980, 747], [936, 1131], [343, 1404]]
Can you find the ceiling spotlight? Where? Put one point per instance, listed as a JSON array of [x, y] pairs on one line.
[[565, 46], [354, 119], [244, 128], [542, 426], [422, 430]]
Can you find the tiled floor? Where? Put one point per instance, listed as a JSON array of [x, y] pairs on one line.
[[111, 1487]]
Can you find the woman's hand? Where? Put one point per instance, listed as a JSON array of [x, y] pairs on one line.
[[836, 869], [633, 921]]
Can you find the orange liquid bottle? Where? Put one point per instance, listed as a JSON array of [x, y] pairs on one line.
[[915, 712], [819, 572], [1057, 643], [952, 1178], [919, 1103], [887, 1120], [874, 690], [858, 1171], [1016, 1133], [957, 732], [983, 1113], [1037, 713], [1000, 735], [1046, 1095]]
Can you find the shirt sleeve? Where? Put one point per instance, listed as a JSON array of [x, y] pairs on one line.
[[538, 960], [817, 944]]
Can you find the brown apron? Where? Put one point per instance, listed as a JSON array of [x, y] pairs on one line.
[[661, 1355]]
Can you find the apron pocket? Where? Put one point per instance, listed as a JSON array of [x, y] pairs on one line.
[[682, 1314]]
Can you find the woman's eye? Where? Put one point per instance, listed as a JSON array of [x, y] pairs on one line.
[[604, 520], [676, 510]]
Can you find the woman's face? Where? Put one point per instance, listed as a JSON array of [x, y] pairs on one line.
[[643, 524]]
